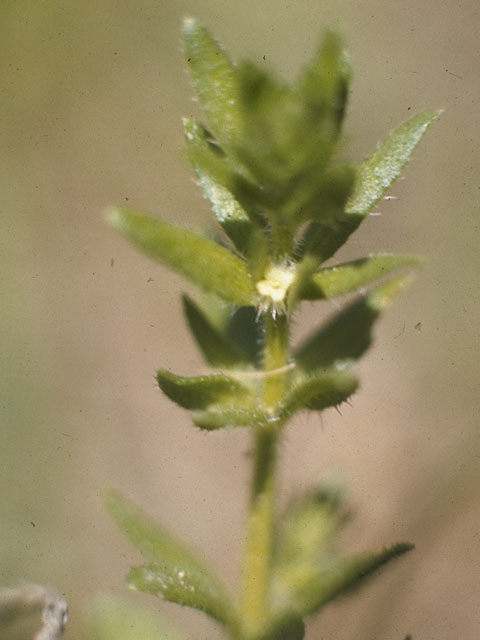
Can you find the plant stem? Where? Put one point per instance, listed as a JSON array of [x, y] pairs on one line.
[[254, 606], [258, 549], [275, 357]]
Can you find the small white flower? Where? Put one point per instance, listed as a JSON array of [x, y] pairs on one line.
[[276, 283]]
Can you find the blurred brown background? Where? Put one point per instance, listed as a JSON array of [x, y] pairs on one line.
[[91, 98]]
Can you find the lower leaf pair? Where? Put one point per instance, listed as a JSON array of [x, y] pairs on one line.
[[306, 571]]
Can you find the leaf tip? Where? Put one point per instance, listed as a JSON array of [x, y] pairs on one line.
[[114, 217], [111, 499], [381, 297], [190, 25], [402, 547]]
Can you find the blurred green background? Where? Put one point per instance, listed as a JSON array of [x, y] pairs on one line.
[[91, 98]]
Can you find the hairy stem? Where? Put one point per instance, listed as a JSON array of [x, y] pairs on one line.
[[254, 606]]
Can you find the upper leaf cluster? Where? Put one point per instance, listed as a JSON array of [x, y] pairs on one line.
[[267, 163]]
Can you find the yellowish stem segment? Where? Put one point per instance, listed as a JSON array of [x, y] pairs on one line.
[[255, 605]]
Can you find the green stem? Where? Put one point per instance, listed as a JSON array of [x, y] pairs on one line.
[[275, 358], [258, 550], [254, 605]]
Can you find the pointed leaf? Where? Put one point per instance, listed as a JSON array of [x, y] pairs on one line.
[[245, 330], [264, 107], [324, 83], [176, 574], [207, 159], [349, 276], [373, 178], [310, 525], [214, 78], [201, 391], [322, 198], [378, 172], [217, 349], [341, 575], [118, 619], [322, 389], [323, 240], [204, 262], [307, 532], [179, 586], [347, 335]]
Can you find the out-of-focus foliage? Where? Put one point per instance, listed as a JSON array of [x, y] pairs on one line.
[[117, 619]]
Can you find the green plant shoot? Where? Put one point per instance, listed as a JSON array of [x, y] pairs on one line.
[[267, 160]]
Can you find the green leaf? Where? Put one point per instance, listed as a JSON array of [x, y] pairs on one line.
[[323, 85], [117, 619], [349, 276], [289, 627], [307, 531], [378, 172], [308, 572], [207, 158], [204, 262], [322, 240], [175, 573], [217, 349], [322, 198], [322, 389], [374, 176], [202, 391], [310, 526], [179, 586], [337, 576], [347, 335], [223, 178], [245, 330], [263, 104], [214, 78], [232, 415]]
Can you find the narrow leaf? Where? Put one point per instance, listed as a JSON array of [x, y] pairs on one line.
[[340, 576], [228, 211], [179, 586], [347, 335], [324, 83], [349, 276], [201, 391], [204, 262], [378, 172], [267, 127], [214, 79], [307, 531], [323, 389], [212, 165], [373, 178], [217, 349], [232, 415], [185, 579], [322, 199], [322, 240], [245, 330]]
